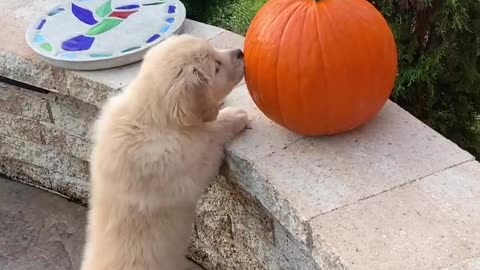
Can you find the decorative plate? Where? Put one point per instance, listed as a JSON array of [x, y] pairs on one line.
[[99, 34]]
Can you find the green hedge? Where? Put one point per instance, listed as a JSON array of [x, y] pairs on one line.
[[234, 15], [439, 48], [439, 64]]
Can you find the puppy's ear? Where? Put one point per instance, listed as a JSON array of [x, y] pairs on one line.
[[207, 107], [194, 103]]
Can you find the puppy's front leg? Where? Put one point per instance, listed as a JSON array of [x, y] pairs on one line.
[[230, 122]]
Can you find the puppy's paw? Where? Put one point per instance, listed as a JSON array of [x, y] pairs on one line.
[[236, 119]]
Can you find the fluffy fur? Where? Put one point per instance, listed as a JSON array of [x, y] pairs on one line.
[[157, 146]]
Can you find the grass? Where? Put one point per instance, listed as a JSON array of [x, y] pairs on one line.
[[233, 15]]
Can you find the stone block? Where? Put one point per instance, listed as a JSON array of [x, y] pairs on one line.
[[25, 172], [43, 156], [72, 114], [22, 128], [66, 142], [65, 82], [259, 185], [19, 101], [263, 137], [319, 175], [115, 78], [42, 133], [228, 40], [431, 223], [469, 264], [233, 232], [201, 30]]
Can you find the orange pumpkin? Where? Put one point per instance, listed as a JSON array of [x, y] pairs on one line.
[[320, 67]]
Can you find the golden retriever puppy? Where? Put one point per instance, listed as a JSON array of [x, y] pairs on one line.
[[157, 146]]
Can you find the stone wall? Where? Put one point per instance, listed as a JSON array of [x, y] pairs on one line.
[[44, 140]]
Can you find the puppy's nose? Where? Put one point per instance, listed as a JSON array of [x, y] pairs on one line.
[[238, 54]]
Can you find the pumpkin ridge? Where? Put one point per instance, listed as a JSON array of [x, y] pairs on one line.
[[265, 28], [276, 63], [261, 98], [342, 59], [303, 104], [327, 108]]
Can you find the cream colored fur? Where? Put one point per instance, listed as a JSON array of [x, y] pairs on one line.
[[157, 146]]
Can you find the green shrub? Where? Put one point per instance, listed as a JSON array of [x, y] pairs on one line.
[[439, 65], [233, 15], [439, 57]]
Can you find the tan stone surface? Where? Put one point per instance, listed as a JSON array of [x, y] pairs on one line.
[[228, 40], [115, 78], [429, 224], [201, 30], [33, 72], [298, 180], [469, 264], [263, 136], [318, 175]]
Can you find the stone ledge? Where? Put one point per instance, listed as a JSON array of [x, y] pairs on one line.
[[286, 202], [428, 224]]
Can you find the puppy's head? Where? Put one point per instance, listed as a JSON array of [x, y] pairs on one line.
[[188, 78]]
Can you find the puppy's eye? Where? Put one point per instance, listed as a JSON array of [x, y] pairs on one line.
[[217, 66]]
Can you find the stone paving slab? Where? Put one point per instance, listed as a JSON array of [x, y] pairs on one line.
[[469, 264], [431, 223], [265, 137], [316, 176], [324, 174], [39, 230]]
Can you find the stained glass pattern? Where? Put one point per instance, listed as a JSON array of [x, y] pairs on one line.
[[104, 9], [83, 15], [100, 17], [55, 11], [41, 24]]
